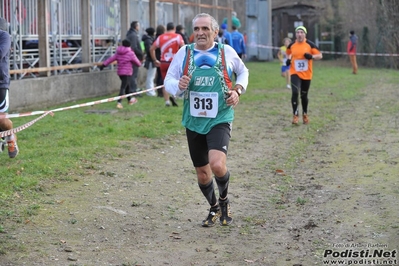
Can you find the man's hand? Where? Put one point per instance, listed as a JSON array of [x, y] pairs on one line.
[[308, 56], [233, 98], [183, 82], [157, 63]]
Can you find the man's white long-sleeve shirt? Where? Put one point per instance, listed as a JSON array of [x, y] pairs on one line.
[[233, 63]]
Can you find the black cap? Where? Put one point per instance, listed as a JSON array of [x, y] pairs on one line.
[[126, 43], [150, 31]]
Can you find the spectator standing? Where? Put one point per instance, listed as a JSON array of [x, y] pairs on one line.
[[301, 54], [126, 59], [180, 30], [238, 42], [235, 21], [159, 80], [133, 37], [208, 114], [148, 40], [351, 49], [191, 38], [282, 56], [169, 43], [220, 37], [226, 34], [5, 123]]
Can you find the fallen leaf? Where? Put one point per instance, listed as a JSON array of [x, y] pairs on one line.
[[280, 172]]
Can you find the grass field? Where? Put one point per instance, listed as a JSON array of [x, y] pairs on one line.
[[58, 148]]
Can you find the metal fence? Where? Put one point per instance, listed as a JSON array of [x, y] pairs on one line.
[[63, 18], [64, 27]]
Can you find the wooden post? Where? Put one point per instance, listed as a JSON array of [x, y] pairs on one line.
[[153, 13], [85, 18], [125, 23], [176, 14], [229, 16], [44, 51]]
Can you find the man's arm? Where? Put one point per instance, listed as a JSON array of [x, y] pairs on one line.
[[317, 55], [154, 59], [5, 44], [175, 73], [238, 67]]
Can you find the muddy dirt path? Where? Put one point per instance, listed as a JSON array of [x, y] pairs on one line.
[[145, 208]]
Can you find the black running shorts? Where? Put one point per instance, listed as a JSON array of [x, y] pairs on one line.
[[4, 104], [199, 145]]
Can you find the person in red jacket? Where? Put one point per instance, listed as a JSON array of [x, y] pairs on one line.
[[125, 58], [169, 43], [351, 49]]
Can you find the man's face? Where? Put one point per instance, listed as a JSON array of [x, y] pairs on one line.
[[203, 33], [300, 35], [138, 26]]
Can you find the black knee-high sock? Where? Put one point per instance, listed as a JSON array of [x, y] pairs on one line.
[[294, 103], [305, 101], [223, 184], [209, 192]]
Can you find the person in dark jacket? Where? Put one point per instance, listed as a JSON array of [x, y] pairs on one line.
[[126, 59], [159, 80], [148, 39], [5, 123], [180, 29], [133, 37]]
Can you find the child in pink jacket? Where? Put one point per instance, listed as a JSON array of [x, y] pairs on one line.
[[125, 57]]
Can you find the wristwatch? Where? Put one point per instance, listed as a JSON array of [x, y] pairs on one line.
[[238, 90]]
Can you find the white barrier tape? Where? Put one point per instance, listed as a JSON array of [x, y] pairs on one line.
[[44, 113], [104, 100], [24, 126], [328, 52], [78, 105]]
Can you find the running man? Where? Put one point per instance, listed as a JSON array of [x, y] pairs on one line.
[[203, 71], [301, 54], [5, 123]]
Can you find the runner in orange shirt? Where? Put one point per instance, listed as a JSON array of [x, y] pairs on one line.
[[300, 54], [169, 43]]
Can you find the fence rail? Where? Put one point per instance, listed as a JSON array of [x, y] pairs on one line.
[[65, 27]]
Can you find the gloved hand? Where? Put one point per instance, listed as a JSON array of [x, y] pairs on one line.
[[101, 67], [308, 56], [288, 62]]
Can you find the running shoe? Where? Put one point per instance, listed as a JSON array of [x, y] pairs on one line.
[[12, 147], [173, 100], [305, 119], [225, 216], [214, 214], [132, 101], [288, 86], [2, 145], [119, 106], [295, 120]]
